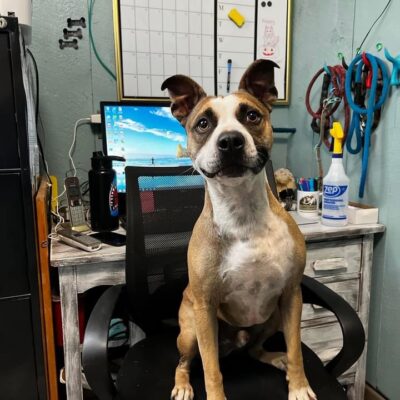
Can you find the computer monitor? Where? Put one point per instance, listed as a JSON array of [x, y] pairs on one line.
[[145, 134]]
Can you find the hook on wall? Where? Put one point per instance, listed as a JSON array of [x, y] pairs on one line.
[[394, 79]]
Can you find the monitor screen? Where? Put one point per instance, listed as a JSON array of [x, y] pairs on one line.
[[145, 134]]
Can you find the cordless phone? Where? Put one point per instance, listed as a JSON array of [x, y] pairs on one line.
[[75, 204], [79, 240]]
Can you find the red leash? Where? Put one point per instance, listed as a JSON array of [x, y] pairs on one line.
[[336, 77]]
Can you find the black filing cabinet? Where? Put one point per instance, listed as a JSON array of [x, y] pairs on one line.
[[22, 372]]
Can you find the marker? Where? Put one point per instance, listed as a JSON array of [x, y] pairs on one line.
[[301, 184], [311, 182], [228, 81]]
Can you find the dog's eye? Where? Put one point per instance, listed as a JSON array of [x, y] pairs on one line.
[[203, 125], [253, 116]]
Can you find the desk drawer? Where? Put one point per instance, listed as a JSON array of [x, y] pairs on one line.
[[325, 340], [333, 258], [348, 289]]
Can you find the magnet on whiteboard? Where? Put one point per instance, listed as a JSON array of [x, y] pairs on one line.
[[236, 17]]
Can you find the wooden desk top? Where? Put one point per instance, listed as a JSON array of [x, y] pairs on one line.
[[62, 255]]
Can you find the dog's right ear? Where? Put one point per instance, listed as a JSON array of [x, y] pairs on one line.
[[185, 93]]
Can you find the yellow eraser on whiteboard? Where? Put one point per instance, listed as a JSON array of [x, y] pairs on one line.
[[236, 17]]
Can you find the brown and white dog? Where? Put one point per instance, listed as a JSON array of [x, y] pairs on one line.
[[246, 255]]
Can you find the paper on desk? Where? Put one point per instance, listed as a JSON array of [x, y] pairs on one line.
[[302, 220]]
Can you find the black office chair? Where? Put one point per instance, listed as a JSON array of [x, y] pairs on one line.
[[162, 207]]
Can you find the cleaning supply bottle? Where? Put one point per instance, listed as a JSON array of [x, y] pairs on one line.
[[103, 193], [335, 196]]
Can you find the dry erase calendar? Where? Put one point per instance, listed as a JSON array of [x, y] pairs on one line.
[[212, 41]]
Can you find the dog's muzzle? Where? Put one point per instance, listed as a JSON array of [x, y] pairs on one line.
[[232, 158]]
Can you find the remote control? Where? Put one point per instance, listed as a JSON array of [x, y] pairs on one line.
[[79, 240]]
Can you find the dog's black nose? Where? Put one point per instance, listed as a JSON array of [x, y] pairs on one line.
[[231, 142]]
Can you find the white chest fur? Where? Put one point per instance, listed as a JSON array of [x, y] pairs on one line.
[[258, 258], [254, 272]]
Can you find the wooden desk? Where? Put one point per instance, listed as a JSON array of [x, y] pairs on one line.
[[341, 258]]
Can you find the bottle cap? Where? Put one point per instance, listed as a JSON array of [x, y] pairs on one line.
[[100, 161], [338, 136]]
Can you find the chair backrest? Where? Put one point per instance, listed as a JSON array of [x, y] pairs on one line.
[[163, 204]]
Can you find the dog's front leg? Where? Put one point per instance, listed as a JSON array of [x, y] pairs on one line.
[[291, 307], [207, 337]]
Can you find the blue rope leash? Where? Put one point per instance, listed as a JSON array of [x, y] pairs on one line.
[[358, 111]]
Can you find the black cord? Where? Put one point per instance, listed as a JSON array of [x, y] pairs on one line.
[[41, 151], [370, 29]]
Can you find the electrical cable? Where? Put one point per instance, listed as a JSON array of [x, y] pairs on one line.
[[370, 29], [60, 221], [77, 123], [41, 150], [91, 6]]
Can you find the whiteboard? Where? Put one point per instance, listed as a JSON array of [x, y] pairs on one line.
[[156, 39]]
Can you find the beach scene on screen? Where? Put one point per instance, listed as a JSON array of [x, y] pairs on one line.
[[144, 136]]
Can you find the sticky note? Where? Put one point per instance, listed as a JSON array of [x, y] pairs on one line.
[[236, 17]]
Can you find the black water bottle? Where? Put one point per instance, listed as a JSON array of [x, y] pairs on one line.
[[103, 193]]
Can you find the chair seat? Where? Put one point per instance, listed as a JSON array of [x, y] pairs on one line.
[[148, 373]]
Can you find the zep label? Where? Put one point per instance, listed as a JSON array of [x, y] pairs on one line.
[[334, 202]]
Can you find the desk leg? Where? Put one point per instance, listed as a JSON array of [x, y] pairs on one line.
[[70, 327]]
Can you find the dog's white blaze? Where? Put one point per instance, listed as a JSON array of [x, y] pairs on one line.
[[225, 108]]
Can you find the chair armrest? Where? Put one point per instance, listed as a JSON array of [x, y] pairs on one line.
[[94, 352], [315, 292]]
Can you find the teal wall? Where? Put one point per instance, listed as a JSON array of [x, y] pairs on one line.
[[73, 83], [321, 30], [383, 190]]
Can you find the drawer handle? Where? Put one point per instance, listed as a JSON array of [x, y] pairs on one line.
[[330, 265], [316, 307]]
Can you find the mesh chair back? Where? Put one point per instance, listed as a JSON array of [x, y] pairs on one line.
[[163, 204]]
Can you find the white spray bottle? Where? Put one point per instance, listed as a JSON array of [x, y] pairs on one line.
[[335, 196]]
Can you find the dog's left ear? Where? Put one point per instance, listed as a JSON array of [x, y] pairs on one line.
[[185, 93], [258, 80]]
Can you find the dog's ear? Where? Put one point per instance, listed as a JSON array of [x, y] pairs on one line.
[[185, 93], [258, 80]]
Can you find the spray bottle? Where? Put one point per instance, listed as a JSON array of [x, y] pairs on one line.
[[335, 196]]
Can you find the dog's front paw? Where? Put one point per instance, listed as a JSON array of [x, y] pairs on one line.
[[304, 393], [182, 392]]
